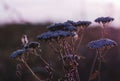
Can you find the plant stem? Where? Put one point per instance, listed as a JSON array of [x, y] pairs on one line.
[[82, 35], [77, 75], [46, 63], [103, 30], [99, 67], [93, 64], [31, 70], [61, 51]]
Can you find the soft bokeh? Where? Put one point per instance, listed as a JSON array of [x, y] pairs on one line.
[[57, 10]]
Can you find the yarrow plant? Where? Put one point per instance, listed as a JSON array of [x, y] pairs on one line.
[[104, 21], [101, 46], [65, 39]]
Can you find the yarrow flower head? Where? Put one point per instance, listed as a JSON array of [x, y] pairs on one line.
[[71, 22], [45, 36], [56, 26], [32, 45], [17, 53], [101, 43], [83, 23], [69, 27], [54, 34], [62, 26], [104, 19]]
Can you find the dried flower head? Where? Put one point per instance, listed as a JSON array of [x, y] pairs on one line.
[[56, 26], [69, 27], [32, 45], [104, 19], [71, 22], [18, 53], [83, 23], [61, 26], [54, 34], [45, 36], [101, 43]]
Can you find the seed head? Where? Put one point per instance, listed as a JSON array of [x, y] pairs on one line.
[[54, 35], [83, 23], [32, 45], [104, 19], [18, 53], [101, 43]]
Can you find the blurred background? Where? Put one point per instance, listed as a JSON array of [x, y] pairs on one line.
[[57, 11], [31, 17]]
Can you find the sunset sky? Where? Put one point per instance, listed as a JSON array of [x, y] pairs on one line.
[[57, 10]]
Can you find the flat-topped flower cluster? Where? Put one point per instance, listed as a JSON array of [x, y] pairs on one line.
[[63, 35], [101, 43]]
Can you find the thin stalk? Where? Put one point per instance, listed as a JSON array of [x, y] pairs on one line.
[[69, 47], [31, 70], [82, 35], [45, 62], [93, 65], [103, 30], [77, 75], [73, 45], [60, 51], [105, 53], [99, 67], [64, 49], [52, 46]]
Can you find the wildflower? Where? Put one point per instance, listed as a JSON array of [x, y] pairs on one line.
[[18, 53], [63, 33], [69, 27], [56, 26], [104, 19], [45, 36], [102, 43], [71, 22], [83, 23], [54, 34], [32, 45], [62, 26]]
